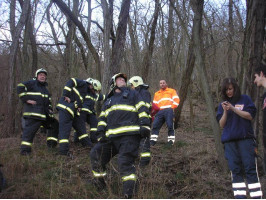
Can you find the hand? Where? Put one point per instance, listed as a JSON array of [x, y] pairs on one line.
[[79, 109], [32, 102], [145, 131], [101, 137], [67, 99], [228, 106]]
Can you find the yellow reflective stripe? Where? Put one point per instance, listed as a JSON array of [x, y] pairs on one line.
[[22, 94], [141, 103], [89, 97], [102, 123], [120, 107], [131, 177], [67, 88], [66, 108], [147, 127], [122, 129], [77, 92], [52, 138], [83, 136], [75, 82], [34, 114], [143, 114], [21, 85], [102, 114], [98, 174], [86, 109], [148, 105], [26, 143], [145, 154], [64, 141], [93, 129]]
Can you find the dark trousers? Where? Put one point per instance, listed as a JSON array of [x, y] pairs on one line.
[[242, 162], [145, 152], [31, 126], [66, 121], [92, 120], [165, 115], [127, 149]]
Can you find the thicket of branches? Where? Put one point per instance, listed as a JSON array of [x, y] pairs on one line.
[[192, 44]]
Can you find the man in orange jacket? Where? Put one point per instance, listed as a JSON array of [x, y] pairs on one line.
[[167, 100]]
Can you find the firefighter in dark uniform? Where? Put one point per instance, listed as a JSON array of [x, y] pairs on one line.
[[37, 111], [88, 113], [136, 82], [69, 107], [123, 121]]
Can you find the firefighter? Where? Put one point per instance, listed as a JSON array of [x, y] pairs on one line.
[[166, 99], [69, 106], [122, 123], [136, 82], [37, 111], [88, 113], [234, 115]]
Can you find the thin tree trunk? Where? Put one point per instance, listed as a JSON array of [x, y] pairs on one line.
[[197, 6]]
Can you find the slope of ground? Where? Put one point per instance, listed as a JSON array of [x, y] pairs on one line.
[[188, 169]]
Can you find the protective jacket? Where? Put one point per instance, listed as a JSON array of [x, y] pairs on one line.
[[37, 91], [90, 100], [167, 98], [122, 114], [76, 90], [145, 95], [236, 127]]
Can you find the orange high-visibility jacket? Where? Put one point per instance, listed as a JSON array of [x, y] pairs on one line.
[[167, 98]]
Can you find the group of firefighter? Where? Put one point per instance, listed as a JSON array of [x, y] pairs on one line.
[[123, 127]]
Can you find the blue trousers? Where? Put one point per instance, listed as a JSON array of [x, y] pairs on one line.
[[165, 115], [242, 162]]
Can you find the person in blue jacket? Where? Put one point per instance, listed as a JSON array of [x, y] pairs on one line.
[[234, 115]]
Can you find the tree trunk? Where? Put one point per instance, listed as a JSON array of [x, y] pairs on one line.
[[148, 55], [230, 66], [118, 49], [12, 64], [197, 7]]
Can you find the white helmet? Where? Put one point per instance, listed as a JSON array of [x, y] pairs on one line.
[[89, 80], [135, 81], [96, 85], [112, 82], [41, 70]]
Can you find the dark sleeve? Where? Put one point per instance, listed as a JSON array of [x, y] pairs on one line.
[[100, 97], [143, 111], [101, 127], [22, 89], [250, 107]]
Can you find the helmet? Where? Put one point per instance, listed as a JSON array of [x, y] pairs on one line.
[[41, 70], [89, 80], [96, 85], [135, 81], [112, 82]]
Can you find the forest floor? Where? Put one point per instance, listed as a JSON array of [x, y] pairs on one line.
[[188, 169]]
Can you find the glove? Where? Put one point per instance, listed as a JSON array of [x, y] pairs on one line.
[[145, 131], [101, 137]]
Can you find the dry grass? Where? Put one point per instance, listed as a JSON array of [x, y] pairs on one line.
[[188, 169]]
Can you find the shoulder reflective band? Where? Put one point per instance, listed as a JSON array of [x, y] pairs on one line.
[[141, 103], [75, 82], [98, 174], [83, 136], [67, 88], [64, 141], [131, 177], [122, 129], [34, 114], [21, 85], [26, 143], [66, 108], [145, 154], [52, 138]]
